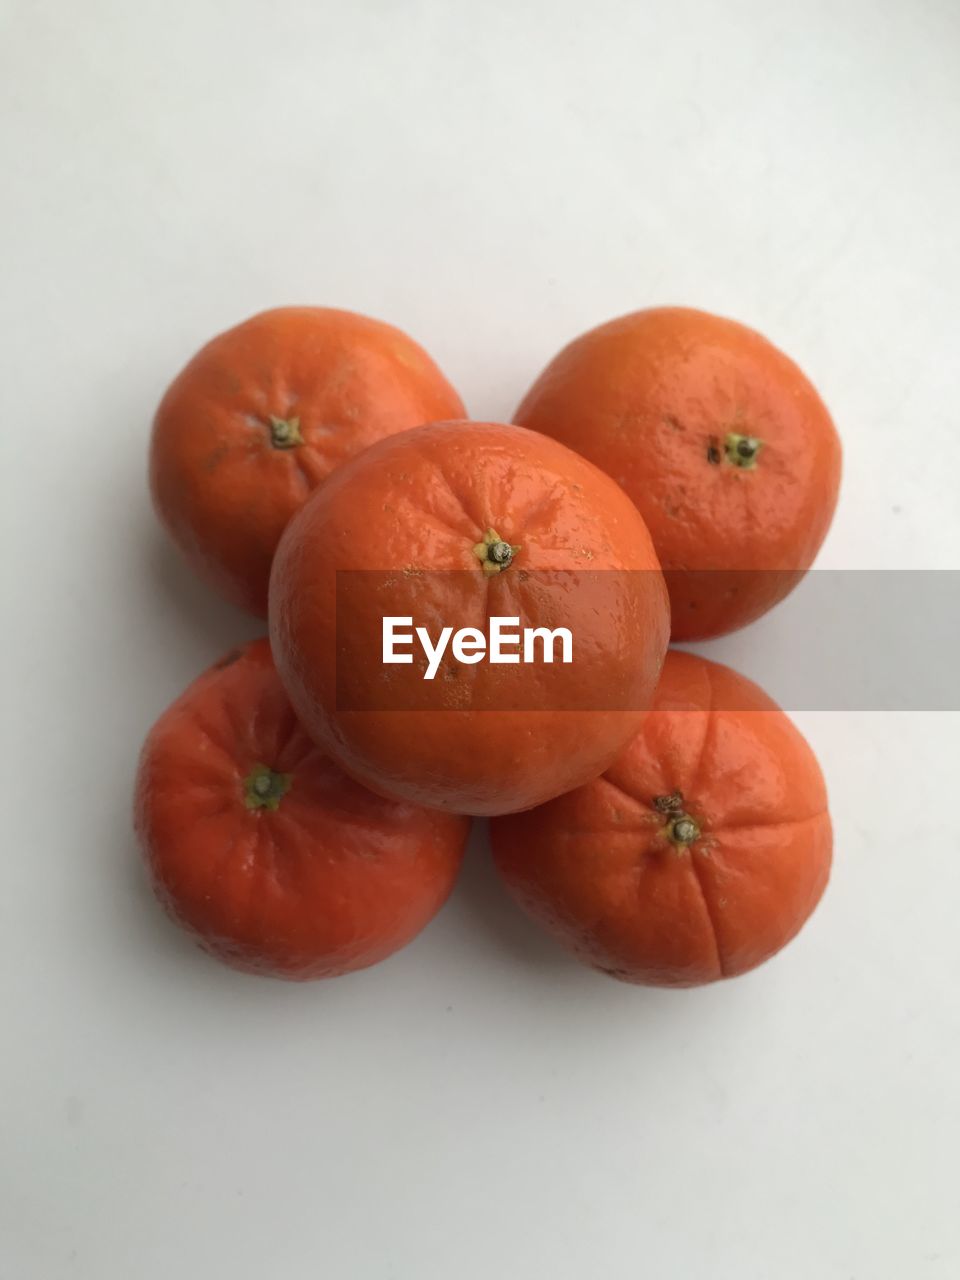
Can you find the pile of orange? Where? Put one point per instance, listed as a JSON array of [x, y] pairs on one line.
[[303, 807]]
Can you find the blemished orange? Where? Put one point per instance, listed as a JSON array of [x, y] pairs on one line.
[[697, 855], [262, 415], [721, 441], [264, 850], [461, 522]]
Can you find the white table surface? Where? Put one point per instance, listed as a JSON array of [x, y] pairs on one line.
[[494, 178]]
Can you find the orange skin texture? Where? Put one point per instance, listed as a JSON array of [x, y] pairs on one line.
[[597, 866], [497, 738], [334, 879], [651, 398], [221, 488]]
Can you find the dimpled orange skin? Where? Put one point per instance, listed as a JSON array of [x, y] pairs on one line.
[[421, 502], [330, 880], [262, 415], [599, 869], [653, 398]]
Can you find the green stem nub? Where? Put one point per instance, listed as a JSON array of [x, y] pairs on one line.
[[285, 433], [681, 830], [494, 554], [742, 451], [264, 789]]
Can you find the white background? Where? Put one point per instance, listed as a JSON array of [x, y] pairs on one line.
[[494, 178]]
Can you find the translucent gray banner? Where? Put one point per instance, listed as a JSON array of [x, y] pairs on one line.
[[855, 640], [843, 640]]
